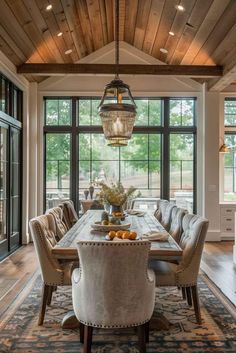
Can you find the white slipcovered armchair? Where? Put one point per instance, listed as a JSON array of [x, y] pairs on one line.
[[113, 288]]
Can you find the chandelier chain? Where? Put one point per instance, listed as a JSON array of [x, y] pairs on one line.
[[117, 38]]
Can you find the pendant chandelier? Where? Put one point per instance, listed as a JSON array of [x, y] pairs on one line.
[[117, 117]]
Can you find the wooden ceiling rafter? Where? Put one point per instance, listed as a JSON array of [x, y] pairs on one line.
[[178, 70]]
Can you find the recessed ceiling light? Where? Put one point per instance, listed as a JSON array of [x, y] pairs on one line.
[[163, 50], [49, 7], [180, 7], [68, 51], [59, 34], [171, 33]]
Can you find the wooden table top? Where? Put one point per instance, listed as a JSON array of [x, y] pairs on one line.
[[66, 247]]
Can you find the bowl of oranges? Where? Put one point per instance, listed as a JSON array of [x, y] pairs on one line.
[[122, 234]]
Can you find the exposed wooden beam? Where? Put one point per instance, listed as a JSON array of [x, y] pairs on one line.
[[174, 70]]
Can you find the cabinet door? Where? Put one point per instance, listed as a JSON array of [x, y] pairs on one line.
[[4, 185]]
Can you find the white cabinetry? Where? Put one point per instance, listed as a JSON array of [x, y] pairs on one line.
[[227, 223]]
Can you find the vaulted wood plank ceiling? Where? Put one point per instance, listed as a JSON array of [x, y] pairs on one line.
[[203, 33]]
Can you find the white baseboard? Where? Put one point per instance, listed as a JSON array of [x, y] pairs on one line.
[[213, 235], [25, 239]]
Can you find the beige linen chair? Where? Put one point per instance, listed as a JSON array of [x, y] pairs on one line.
[[53, 273], [176, 224], [161, 209], [166, 216], [61, 227], [69, 215], [185, 273], [113, 288]]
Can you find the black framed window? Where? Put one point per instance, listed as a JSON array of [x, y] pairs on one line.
[[10, 98], [160, 159]]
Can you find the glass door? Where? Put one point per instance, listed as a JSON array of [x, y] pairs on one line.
[[4, 185], [15, 187], [10, 189]]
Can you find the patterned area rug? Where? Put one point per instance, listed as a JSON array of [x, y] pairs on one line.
[[19, 332]]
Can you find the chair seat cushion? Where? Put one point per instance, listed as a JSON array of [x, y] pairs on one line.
[[165, 272]]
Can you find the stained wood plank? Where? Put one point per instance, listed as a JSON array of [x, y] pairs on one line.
[[110, 19], [182, 70], [152, 25], [54, 29], [177, 27], [217, 263], [144, 7], [60, 17], [225, 23], [131, 9], [96, 23], [215, 12], [34, 34], [225, 51], [42, 26], [82, 13], [75, 27], [17, 33], [102, 6], [167, 17], [196, 18]]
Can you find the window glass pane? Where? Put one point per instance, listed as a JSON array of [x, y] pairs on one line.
[[57, 168], [230, 170], [100, 150], [135, 174], [58, 112], [137, 148], [181, 112], [142, 112], [96, 120], [15, 103], [84, 112], [230, 112], [2, 95], [181, 170], [155, 112]]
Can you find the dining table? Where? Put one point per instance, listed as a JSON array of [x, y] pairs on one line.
[[143, 223]]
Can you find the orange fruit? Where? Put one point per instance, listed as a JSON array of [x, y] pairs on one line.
[[119, 233], [126, 235], [112, 234], [133, 235]]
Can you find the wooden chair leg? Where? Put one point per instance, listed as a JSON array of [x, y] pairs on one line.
[[147, 325], [184, 293], [45, 293], [196, 304], [189, 297], [81, 332], [88, 334], [49, 298], [142, 338]]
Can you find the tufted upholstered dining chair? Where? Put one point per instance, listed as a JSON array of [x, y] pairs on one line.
[[113, 288], [61, 227], [185, 273], [176, 223], [53, 273], [166, 216], [69, 215], [161, 209]]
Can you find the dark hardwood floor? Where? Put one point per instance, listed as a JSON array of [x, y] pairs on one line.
[[17, 270], [217, 263]]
